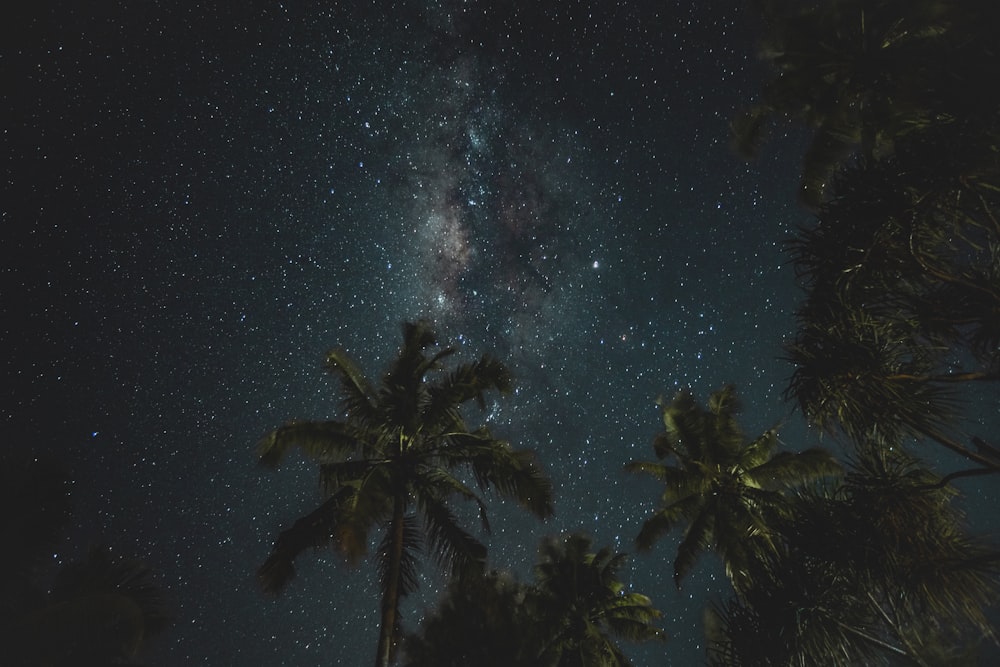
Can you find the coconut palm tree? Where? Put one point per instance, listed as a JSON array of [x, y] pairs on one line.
[[581, 606], [571, 615], [480, 620], [394, 462], [727, 489]]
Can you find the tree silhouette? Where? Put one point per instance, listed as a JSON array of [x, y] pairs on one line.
[[571, 615], [391, 463], [727, 489], [481, 620], [101, 610], [876, 570], [582, 606], [902, 276], [860, 75]]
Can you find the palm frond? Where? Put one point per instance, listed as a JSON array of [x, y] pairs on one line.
[[759, 450], [747, 132], [409, 582], [411, 364], [311, 531], [320, 441], [697, 538], [102, 575], [658, 525], [432, 479], [514, 474], [636, 624], [725, 437], [664, 445], [786, 470], [370, 505], [465, 383], [685, 425], [454, 548], [609, 564], [357, 395], [664, 473], [332, 476]]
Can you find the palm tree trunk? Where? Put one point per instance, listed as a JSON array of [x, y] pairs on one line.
[[390, 594]]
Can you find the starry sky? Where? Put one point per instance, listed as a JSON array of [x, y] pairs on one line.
[[202, 198]]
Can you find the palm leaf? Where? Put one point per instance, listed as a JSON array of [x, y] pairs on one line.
[[724, 438], [369, 506], [760, 450], [466, 382], [685, 425], [659, 471], [103, 575], [409, 582], [514, 474], [411, 364], [320, 441], [678, 483], [358, 397], [697, 538], [454, 548], [443, 483], [637, 625], [332, 476], [662, 522], [664, 445], [609, 564], [747, 132], [788, 470], [311, 531]]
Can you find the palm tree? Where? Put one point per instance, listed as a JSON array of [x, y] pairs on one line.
[[727, 489], [392, 464], [580, 605], [915, 236], [569, 616], [871, 377], [902, 276], [480, 620], [860, 74], [875, 571]]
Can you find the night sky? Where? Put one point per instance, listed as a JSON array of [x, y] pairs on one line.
[[202, 198]]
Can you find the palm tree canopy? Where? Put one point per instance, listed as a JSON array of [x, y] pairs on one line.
[[572, 614], [579, 596], [879, 566], [726, 488], [480, 620], [863, 74], [396, 459]]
